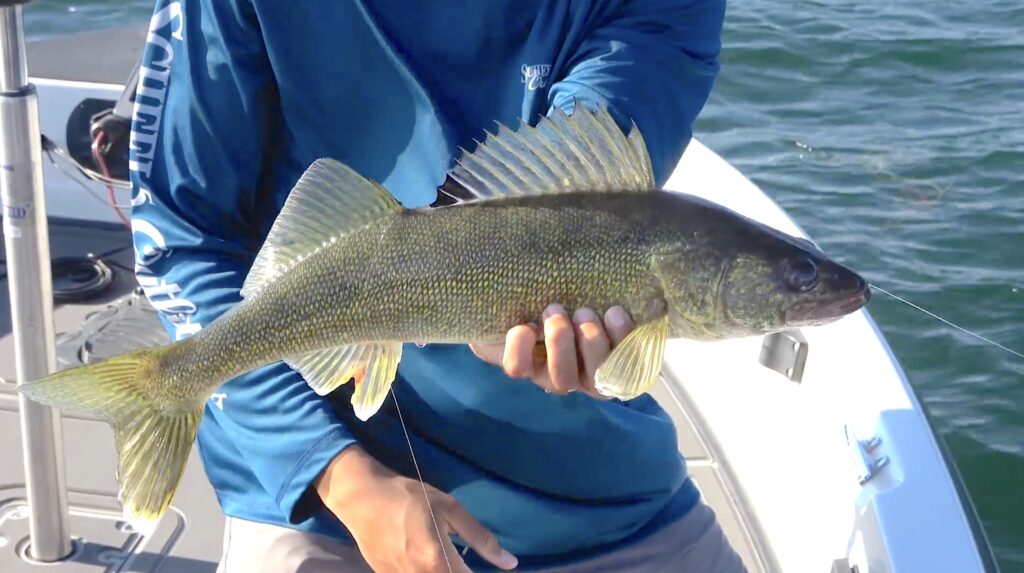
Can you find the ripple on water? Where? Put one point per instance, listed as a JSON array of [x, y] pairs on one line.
[[894, 133]]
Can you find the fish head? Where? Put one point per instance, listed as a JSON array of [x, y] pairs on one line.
[[724, 275], [783, 282]]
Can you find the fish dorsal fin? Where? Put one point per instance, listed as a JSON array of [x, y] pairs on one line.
[[329, 200], [585, 151]]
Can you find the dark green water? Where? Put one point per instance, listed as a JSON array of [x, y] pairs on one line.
[[894, 133]]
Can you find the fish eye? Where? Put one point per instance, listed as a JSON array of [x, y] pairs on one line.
[[801, 274]]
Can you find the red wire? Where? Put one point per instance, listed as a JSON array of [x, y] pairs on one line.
[[97, 156]]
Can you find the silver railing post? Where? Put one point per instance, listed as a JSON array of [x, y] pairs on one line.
[[31, 289]]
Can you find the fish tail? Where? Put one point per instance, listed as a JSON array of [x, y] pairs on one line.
[[153, 435]]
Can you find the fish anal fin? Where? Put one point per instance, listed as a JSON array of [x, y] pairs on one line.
[[635, 364], [372, 366], [329, 200], [373, 386], [325, 370]]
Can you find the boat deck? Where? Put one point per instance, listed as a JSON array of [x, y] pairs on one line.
[[189, 540]]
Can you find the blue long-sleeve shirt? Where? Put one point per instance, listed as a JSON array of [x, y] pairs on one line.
[[238, 97]]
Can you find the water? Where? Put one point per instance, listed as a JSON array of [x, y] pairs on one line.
[[894, 132], [54, 17]]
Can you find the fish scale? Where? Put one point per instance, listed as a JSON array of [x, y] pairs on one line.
[[500, 265], [565, 212]]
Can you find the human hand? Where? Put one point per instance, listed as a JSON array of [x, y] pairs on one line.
[[391, 522], [573, 350]]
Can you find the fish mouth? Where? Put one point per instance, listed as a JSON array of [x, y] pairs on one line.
[[815, 313]]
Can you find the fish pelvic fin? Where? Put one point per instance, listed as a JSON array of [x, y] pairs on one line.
[[372, 366], [330, 200], [635, 364], [585, 151], [153, 439]]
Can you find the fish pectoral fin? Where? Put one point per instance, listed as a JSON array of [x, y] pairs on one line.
[[373, 366], [634, 365], [329, 200], [374, 382]]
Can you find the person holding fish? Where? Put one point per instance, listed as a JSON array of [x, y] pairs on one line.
[[283, 270]]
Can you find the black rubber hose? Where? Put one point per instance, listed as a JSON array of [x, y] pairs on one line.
[[76, 279]]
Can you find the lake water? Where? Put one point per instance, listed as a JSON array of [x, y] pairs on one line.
[[894, 132]]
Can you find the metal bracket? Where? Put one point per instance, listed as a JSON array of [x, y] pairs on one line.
[[866, 466], [785, 353]]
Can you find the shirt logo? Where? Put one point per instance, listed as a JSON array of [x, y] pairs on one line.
[[218, 400], [536, 77]]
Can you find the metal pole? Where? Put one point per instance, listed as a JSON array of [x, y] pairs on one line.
[[31, 289]]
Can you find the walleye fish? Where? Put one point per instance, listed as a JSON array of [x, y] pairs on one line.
[[563, 212]]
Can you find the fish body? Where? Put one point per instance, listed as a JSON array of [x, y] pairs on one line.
[[566, 212]]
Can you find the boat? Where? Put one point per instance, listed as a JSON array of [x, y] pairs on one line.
[[810, 446]]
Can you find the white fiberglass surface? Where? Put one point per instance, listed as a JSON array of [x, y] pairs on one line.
[[784, 444], [64, 197]]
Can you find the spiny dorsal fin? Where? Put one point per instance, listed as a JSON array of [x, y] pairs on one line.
[[329, 200], [585, 151]]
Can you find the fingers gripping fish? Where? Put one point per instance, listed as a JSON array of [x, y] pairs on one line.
[[566, 211]]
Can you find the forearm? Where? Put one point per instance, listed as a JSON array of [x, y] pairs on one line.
[[401, 524], [197, 229], [654, 64], [347, 476]]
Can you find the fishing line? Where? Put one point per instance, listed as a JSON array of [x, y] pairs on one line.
[[943, 320], [415, 464]]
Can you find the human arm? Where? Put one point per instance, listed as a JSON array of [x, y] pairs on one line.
[[401, 524], [202, 141], [649, 62], [652, 62], [203, 161]]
